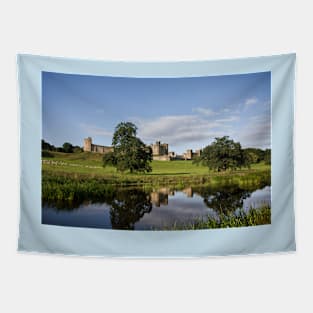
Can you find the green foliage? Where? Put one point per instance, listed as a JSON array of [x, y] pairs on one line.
[[57, 184], [256, 154], [267, 157], [77, 149], [129, 153], [67, 147], [47, 146], [224, 154], [252, 217], [46, 154]]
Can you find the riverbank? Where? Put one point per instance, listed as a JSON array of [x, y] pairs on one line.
[[72, 186]]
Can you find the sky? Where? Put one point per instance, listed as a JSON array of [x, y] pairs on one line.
[[186, 113]]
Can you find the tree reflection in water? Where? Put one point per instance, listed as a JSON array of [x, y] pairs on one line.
[[128, 207], [226, 200]]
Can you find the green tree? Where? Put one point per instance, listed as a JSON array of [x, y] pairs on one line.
[[129, 152], [267, 156], [67, 147], [256, 154], [77, 149], [47, 146], [224, 154]]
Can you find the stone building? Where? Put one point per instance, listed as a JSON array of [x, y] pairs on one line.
[[90, 147], [159, 148], [189, 154], [160, 151]]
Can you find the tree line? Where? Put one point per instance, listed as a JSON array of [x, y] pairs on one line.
[[67, 147]]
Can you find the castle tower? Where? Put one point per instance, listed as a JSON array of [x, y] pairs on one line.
[[189, 154], [156, 148], [198, 152], [166, 148], [87, 144]]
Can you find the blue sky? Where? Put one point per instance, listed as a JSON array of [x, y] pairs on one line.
[[186, 113]]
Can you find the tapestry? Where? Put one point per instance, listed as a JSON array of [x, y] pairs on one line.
[[156, 159]]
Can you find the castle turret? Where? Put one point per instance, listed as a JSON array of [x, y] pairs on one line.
[[87, 144]]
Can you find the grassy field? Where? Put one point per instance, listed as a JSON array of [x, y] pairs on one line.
[[80, 175], [91, 163]]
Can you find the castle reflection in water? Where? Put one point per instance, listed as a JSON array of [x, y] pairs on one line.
[[160, 197]]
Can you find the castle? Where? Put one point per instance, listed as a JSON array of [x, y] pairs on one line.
[[90, 147], [159, 151]]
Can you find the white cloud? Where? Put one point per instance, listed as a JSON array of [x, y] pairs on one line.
[[256, 133], [177, 129], [251, 101]]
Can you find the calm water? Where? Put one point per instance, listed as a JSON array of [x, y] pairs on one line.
[[140, 210]]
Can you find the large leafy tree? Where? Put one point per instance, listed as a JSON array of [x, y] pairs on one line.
[[67, 147], [224, 154], [129, 152], [47, 146], [256, 155], [267, 156]]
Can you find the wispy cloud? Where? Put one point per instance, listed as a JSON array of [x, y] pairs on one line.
[[251, 101], [177, 129], [199, 128], [228, 119], [256, 133], [204, 111], [92, 130]]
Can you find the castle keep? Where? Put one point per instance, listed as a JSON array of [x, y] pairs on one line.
[[159, 151]]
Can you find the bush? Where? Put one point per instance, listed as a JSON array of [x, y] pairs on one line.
[[46, 154]]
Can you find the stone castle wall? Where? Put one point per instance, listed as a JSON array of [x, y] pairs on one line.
[[90, 147], [161, 157], [159, 151]]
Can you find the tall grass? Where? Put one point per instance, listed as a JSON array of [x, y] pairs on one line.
[[73, 186], [253, 217]]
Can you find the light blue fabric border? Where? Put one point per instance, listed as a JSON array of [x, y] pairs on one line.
[[277, 237]]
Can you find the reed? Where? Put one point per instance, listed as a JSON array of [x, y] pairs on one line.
[[240, 218]]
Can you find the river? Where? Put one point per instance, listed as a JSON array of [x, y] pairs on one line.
[[137, 209]]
